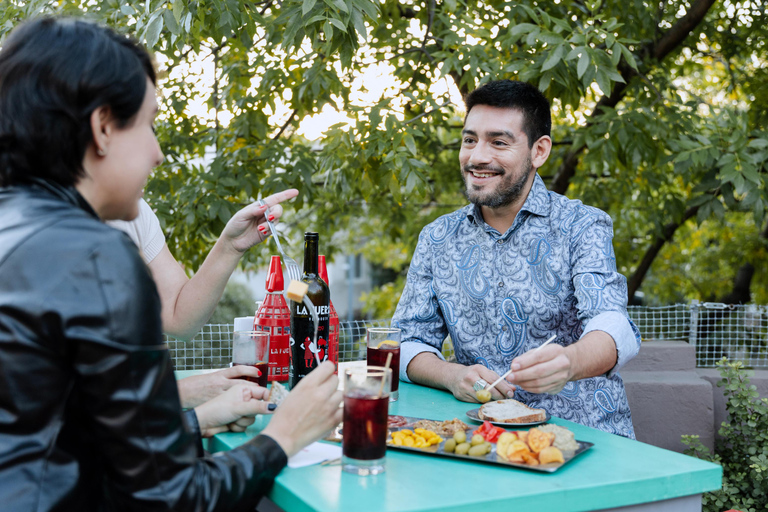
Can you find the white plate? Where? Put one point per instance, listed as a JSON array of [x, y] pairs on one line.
[[473, 415]]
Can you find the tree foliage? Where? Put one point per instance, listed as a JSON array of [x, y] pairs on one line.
[[659, 115]]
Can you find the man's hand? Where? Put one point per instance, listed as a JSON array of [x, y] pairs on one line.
[[462, 380], [232, 411], [548, 370], [542, 371], [309, 411], [198, 389], [249, 226]]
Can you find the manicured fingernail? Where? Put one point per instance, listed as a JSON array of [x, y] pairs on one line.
[[271, 407], [510, 394], [271, 218], [262, 229]]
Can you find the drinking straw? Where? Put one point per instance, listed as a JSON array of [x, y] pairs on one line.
[[386, 367], [510, 370]]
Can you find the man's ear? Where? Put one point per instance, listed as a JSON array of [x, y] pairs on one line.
[[540, 151], [101, 129]]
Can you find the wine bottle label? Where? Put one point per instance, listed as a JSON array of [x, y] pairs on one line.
[[304, 351]]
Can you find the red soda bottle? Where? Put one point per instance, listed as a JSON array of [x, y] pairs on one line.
[[273, 316], [333, 338]]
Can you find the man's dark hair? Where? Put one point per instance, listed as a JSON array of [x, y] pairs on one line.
[[537, 119], [54, 72]]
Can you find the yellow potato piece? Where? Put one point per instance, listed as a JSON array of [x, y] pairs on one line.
[[551, 454]]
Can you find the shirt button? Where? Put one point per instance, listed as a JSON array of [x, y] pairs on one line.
[[501, 284], [504, 328], [500, 242]]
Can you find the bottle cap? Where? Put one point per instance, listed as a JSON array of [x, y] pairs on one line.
[[275, 281], [322, 270]]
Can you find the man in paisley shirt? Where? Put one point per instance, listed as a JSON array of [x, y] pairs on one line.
[[516, 266]]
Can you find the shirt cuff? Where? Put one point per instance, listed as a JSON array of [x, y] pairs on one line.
[[409, 350], [620, 328]]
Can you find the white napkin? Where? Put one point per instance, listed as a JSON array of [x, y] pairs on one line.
[[315, 454]]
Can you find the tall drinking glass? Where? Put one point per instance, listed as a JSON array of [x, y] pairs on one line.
[[252, 348], [381, 342], [366, 407]]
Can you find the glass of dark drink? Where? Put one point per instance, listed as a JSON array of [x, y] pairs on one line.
[[383, 341], [366, 408], [252, 348]]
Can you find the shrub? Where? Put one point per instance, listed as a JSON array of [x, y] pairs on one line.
[[742, 450]]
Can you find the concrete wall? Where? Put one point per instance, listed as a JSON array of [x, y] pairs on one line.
[[669, 397]]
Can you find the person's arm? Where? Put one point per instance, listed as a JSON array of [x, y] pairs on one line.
[[189, 302], [423, 327], [609, 339]]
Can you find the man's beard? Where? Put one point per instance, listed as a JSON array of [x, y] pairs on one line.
[[508, 192]]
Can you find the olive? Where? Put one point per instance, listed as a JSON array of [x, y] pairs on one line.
[[483, 396], [450, 446], [462, 448], [477, 439], [460, 436], [478, 450]]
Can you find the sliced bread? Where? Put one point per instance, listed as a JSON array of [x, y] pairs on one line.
[[511, 411]]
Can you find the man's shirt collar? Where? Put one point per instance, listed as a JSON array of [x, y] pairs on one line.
[[536, 203]]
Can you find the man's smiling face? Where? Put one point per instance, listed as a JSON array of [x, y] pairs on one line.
[[495, 158]]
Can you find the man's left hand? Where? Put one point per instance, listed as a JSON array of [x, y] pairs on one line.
[[542, 371]]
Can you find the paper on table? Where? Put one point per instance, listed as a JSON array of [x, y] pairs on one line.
[[315, 454]]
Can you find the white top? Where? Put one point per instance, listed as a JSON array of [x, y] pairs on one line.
[[144, 230]]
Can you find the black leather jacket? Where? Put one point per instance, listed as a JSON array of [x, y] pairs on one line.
[[89, 410]]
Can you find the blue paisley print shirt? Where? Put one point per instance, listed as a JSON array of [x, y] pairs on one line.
[[500, 295]]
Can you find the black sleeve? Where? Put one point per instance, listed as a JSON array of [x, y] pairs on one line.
[[126, 386]]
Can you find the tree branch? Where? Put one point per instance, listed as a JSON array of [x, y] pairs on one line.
[[286, 124], [636, 279]]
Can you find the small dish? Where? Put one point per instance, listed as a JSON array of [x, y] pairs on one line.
[[474, 416]]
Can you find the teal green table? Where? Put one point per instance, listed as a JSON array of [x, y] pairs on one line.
[[615, 473]]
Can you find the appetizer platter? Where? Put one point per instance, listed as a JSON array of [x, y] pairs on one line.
[[543, 448], [546, 448]]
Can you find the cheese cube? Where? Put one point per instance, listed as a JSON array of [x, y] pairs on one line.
[[297, 290]]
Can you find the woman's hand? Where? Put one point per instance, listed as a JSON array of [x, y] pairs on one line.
[[232, 411], [309, 411], [248, 227], [198, 389]]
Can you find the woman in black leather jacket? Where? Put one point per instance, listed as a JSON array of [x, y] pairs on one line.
[[89, 410]]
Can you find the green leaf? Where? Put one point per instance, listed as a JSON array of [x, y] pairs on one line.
[[584, 61], [554, 58], [154, 28], [170, 22], [178, 9], [338, 24], [125, 9], [545, 80], [603, 82], [522, 28], [628, 56], [410, 143], [307, 6], [758, 143]]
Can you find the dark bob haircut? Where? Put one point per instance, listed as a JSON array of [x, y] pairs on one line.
[[54, 72], [522, 96]]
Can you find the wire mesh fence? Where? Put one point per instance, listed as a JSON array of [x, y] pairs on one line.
[[739, 332]]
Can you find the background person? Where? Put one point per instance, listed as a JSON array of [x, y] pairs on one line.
[[187, 303], [87, 392], [511, 269]]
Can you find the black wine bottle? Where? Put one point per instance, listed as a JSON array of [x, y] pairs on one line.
[[305, 352]]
